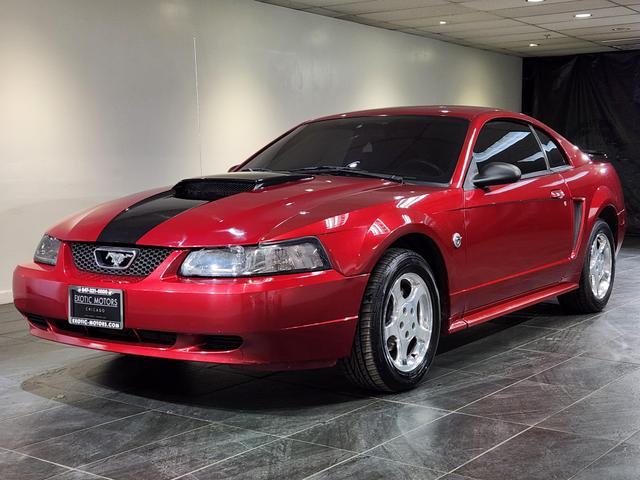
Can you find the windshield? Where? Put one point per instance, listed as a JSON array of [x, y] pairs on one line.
[[420, 148]]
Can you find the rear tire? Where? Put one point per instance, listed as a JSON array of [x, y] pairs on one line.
[[598, 273], [399, 325]]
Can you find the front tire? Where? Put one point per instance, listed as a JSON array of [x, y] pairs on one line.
[[598, 273], [399, 324]]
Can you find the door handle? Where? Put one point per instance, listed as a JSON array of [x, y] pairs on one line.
[[557, 194]]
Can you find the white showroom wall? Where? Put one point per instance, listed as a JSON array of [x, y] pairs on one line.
[[106, 97]]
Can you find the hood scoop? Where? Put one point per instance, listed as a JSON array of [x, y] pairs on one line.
[[215, 187]]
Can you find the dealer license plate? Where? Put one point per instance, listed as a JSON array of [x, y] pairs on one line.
[[96, 307]]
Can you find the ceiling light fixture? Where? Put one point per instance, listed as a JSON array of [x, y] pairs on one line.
[[443, 22], [582, 15], [535, 1], [621, 29], [534, 44]]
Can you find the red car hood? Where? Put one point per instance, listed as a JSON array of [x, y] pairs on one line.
[[243, 218]]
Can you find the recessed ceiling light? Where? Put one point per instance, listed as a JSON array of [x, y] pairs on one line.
[[443, 22], [534, 44], [535, 1], [621, 29], [582, 15]]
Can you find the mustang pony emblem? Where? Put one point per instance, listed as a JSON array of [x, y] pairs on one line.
[[114, 258], [118, 258]]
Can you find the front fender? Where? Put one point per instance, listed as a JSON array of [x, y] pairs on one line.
[[357, 251]]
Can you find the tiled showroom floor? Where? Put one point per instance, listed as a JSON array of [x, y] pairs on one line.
[[534, 395]]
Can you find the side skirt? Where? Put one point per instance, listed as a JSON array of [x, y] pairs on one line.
[[509, 306]]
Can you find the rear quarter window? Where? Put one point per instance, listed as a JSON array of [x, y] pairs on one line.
[[552, 149]]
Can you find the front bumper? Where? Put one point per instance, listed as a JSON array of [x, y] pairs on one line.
[[278, 322]]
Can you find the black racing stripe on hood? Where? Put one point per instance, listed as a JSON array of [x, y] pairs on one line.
[[133, 223]]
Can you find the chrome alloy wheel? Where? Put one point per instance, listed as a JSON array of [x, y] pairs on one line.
[[600, 266], [408, 322]]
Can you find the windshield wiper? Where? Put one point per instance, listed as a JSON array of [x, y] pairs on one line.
[[337, 170]]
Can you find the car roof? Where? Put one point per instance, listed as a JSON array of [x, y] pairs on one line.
[[468, 112]]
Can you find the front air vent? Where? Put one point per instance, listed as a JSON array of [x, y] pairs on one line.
[[38, 321], [127, 335], [216, 187], [220, 343]]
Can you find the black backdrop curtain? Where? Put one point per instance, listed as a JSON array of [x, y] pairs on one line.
[[594, 101]]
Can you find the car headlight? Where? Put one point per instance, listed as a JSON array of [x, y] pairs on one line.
[[47, 250], [303, 255]]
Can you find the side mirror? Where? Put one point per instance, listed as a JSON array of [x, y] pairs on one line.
[[497, 173]]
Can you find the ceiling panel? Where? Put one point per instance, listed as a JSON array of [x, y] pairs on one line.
[[489, 5], [407, 13], [374, 6], [545, 8], [600, 15], [460, 19], [506, 26]]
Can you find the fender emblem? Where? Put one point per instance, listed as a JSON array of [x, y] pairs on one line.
[[457, 240]]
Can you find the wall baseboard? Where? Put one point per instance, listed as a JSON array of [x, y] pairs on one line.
[[5, 297]]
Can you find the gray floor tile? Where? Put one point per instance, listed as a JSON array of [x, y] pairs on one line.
[[526, 402], [334, 380], [600, 415], [452, 391], [171, 457], [481, 347], [574, 340], [625, 348], [92, 444], [622, 463], [627, 386], [20, 400], [448, 442], [624, 319], [15, 466], [374, 468], [537, 455], [271, 407], [517, 364], [369, 426], [40, 358], [288, 459], [584, 372], [75, 475], [454, 476], [40, 426], [634, 439]]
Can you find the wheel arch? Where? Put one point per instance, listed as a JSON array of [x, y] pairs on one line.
[[609, 214], [427, 247]]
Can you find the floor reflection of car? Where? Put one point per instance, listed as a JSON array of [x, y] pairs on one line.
[[357, 238]]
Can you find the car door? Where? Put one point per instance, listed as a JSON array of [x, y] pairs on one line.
[[518, 236]]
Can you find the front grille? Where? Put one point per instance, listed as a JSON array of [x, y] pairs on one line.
[[146, 261]]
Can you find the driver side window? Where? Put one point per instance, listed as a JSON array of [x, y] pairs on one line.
[[509, 142]]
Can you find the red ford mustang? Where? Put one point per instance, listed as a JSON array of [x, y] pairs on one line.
[[357, 238]]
